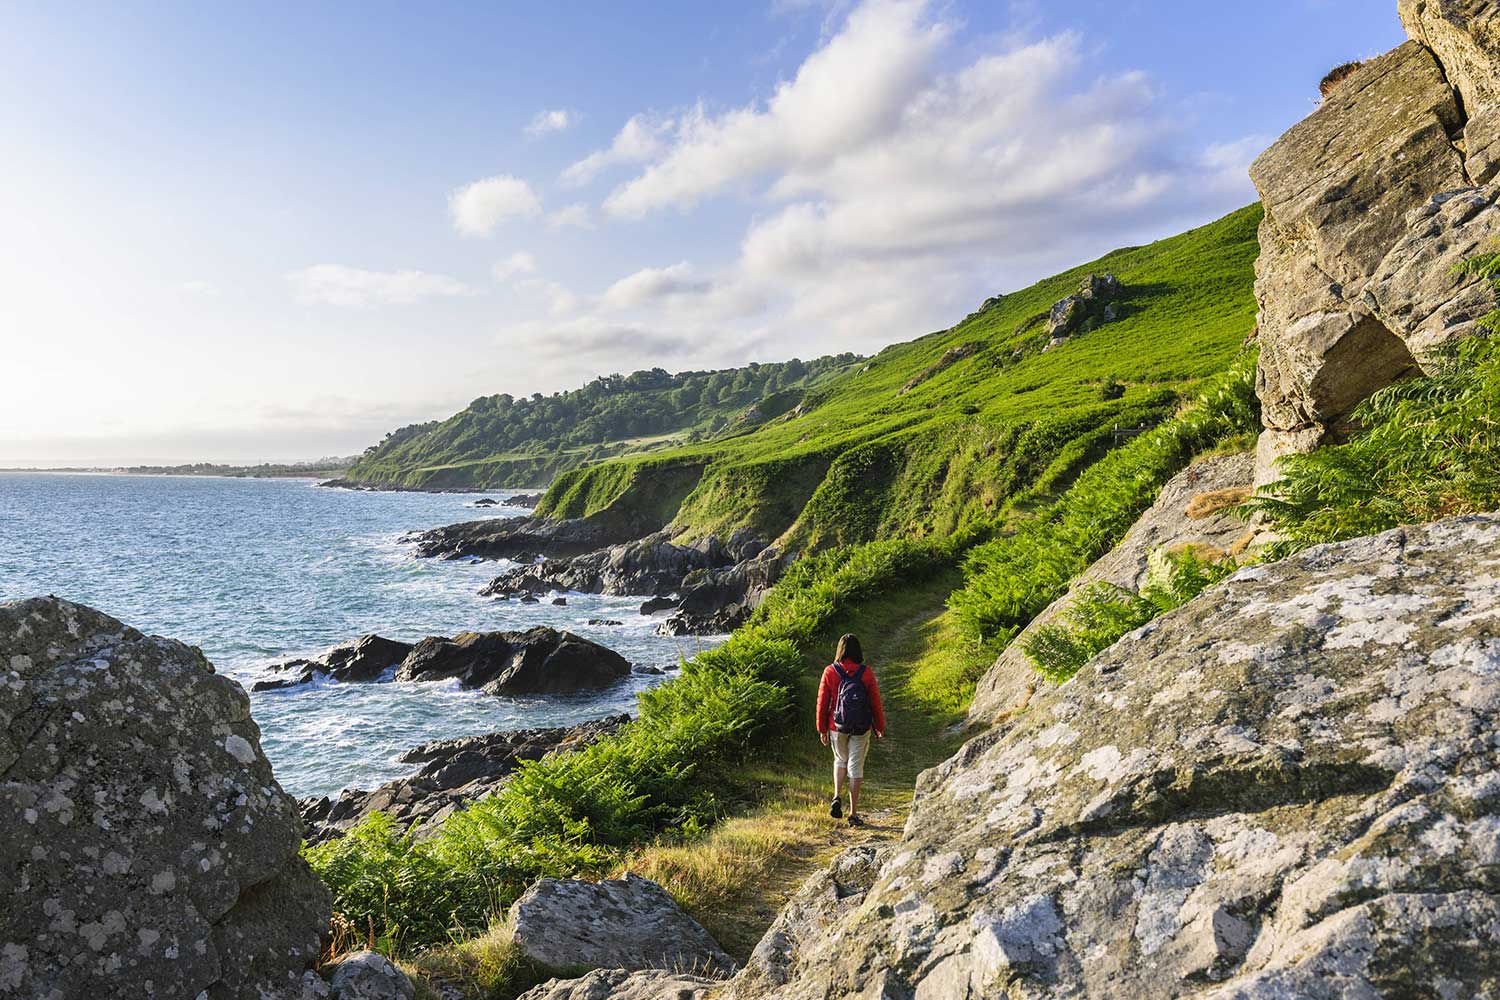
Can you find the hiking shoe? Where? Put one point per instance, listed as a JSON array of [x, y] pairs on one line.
[[837, 809], [856, 820]]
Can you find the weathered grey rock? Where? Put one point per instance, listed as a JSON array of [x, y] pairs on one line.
[[1008, 684], [628, 923], [1090, 306], [148, 850], [539, 660], [622, 984], [359, 660], [1286, 788], [454, 774], [368, 975], [1369, 204]]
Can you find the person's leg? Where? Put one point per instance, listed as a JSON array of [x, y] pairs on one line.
[[840, 771], [858, 747]]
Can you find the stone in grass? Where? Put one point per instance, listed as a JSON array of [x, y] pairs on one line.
[[629, 923], [623, 984], [368, 975]]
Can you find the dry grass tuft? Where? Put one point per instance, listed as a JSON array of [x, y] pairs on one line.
[[1336, 76], [1207, 504]]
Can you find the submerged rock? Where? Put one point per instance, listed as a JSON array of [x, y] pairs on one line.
[[147, 848], [454, 774], [364, 659], [540, 660], [1285, 788], [629, 923]]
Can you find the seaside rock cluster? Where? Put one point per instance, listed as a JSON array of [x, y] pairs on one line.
[[629, 923], [540, 660], [1287, 787], [1169, 524], [1091, 306], [1369, 203], [454, 774], [713, 584], [147, 848]]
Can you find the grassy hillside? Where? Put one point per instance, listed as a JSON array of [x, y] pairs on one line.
[[939, 432], [504, 441]]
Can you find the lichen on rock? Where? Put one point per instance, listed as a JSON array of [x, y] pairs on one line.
[[148, 850], [1284, 788]]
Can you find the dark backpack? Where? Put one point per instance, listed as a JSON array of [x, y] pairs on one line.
[[851, 707]]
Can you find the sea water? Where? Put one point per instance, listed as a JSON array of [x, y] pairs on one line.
[[257, 571]]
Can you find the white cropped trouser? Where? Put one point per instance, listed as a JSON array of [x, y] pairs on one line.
[[849, 752]]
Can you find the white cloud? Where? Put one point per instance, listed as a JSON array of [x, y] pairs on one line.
[[334, 284], [574, 216], [652, 284], [516, 264], [638, 141], [198, 289], [480, 207], [546, 122]]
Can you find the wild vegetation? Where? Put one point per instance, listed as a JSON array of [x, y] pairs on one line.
[[971, 465], [502, 440]]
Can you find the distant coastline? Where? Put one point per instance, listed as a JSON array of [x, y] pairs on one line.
[[321, 469]]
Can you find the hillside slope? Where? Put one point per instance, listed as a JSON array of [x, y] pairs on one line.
[[504, 441], [938, 433]]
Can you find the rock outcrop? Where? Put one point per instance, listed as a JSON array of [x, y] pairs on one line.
[[518, 538], [1167, 525], [539, 660], [1287, 787], [1091, 306], [1369, 202], [364, 659], [714, 584], [629, 923], [454, 774], [148, 850]]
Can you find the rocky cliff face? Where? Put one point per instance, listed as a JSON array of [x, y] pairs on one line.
[[1369, 202], [1288, 787], [147, 848]]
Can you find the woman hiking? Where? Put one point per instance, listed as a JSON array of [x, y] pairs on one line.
[[848, 711]]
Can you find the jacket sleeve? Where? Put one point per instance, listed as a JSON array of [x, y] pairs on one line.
[[824, 719], [875, 706]]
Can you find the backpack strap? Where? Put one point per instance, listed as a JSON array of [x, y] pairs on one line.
[[858, 673], [841, 673]]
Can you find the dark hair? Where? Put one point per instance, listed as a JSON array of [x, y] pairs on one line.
[[849, 649]]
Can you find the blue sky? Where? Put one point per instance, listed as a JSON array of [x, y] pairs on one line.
[[260, 231]]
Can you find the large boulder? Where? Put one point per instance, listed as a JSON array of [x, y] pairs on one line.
[[453, 774], [148, 850], [1369, 203], [539, 660], [1194, 510], [1285, 788], [627, 923]]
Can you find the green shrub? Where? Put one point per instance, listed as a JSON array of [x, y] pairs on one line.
[[1104, 612], [1429, 448]]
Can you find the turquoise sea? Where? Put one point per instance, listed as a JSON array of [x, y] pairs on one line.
[[256, 571]]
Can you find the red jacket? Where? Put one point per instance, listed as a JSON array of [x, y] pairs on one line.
[[828, 690]]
